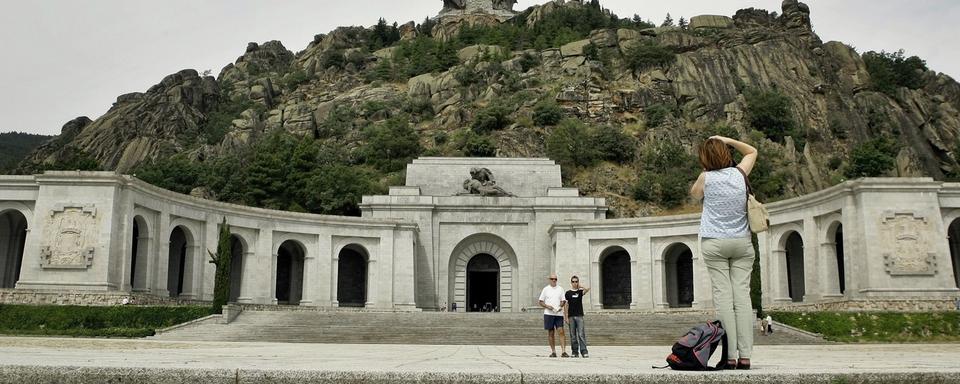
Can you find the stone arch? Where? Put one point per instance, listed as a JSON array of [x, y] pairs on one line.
[[615, 278], [238, 250], [353, 281], [497, 248], [953, 237], [179, 260], [139, 253], [835, 262], [791, 242], [14, 225], [289, 277], [678, 275], [483, 284]]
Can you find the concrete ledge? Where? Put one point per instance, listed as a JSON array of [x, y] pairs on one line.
[[85, 375]]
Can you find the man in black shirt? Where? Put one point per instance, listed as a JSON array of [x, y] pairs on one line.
[[573, 312]]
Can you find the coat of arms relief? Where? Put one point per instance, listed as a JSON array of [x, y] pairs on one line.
[[906, 245], [69, 237]]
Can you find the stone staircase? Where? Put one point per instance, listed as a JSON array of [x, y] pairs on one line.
[[359, 327]]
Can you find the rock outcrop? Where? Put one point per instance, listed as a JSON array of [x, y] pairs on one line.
[[718, 58]]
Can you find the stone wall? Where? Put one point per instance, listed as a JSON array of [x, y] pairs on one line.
[[883, 305], [35, 297]]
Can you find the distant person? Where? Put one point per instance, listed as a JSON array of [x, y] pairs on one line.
[[769, 321], [552, 301], [573, 313], [726, 239], [958, 303]]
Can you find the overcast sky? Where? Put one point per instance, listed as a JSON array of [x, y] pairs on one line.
[[69, 58]]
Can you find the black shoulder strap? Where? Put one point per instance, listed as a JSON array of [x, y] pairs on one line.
[[746, 181]]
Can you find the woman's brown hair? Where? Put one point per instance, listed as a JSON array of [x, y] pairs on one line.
[[715, 155]]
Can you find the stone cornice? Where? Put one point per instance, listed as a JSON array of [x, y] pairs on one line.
[[254, 213]]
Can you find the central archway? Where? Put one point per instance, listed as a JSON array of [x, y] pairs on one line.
[[483, 284], [490, 255]]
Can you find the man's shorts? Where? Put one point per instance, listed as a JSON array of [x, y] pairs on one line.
[[552, 322]]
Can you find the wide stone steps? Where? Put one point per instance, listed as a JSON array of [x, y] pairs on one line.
[[351, 327]]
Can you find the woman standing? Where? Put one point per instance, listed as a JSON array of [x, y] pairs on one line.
[[726, 240]]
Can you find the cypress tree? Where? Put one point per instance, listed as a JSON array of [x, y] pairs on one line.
[[221, 259]]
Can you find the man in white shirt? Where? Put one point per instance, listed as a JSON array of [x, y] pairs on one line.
[[552, 300]]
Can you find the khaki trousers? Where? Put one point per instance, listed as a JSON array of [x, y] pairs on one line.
[[730, 262]]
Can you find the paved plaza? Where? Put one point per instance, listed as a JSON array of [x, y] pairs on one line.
[[68, 360]]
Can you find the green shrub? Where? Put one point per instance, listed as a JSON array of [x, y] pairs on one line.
[[69, 320], [176, 173], [666, 174], [294, 79], [332, 58], [614, 145], [492, 118], [872, 158], [657, 114], [770, 112], [528, 61], [391, 145], [220, 119], [646, 55], [72, 159], [424, 55], [889, 71], [571, 143], [547, 112], [876, 326], [475, 145], [338, 122]]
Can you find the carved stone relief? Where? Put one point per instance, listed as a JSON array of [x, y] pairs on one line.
[[906, 245], [69, 239]]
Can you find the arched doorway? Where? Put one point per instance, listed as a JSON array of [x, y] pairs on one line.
[[177, 261], [678, 273], [290, 258], [13, 235], [466, 252], [794, 262], [838, 246], [237, 250], [615, 279], [483, 284], [352, 277], [953, 236]]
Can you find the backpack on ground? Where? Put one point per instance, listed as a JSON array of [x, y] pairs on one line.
[[692, 351]]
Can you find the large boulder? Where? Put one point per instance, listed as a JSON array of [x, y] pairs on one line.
[[475, 51], [711, 21], [575, 48]]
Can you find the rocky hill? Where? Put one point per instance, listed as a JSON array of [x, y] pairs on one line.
[[619, 102]]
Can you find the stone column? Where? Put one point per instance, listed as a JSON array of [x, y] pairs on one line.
[[403, 271], [192, 269], [161, 260]]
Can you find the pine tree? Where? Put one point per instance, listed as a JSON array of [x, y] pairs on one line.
[[682, 23], [668, 22], [221, 261]]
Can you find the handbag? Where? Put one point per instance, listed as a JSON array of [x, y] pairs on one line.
[[757, 214]]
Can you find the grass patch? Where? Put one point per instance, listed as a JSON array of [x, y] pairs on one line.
[[856, 327], [70, 320]]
